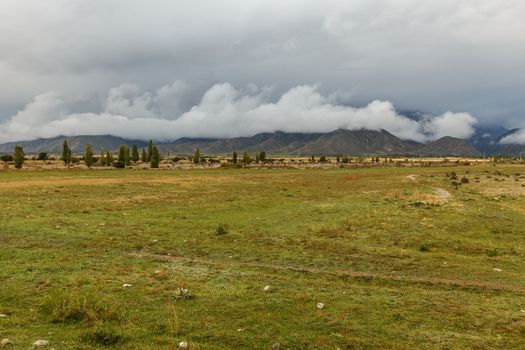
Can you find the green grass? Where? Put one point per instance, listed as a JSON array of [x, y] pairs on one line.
[[395, 270]]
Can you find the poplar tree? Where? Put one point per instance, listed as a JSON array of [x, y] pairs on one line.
[[121, 160], [150, 150], [197, 156], [155, 157], [128, 157], [135, 154], [262, 156], [88, 156], [109, 159], [234, 158], [246, 158], [19, 157], [66, 153], [144, 156], [102, 159]]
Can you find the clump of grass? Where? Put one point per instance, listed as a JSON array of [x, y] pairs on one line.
[[492, 252], [80, 307], [183, 293], [105, 334], [424, 247], [221, 230], [465, 180]]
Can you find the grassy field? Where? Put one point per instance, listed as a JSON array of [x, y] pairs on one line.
[[399, 256]]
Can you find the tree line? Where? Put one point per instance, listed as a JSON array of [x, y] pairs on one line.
[[125, 156]]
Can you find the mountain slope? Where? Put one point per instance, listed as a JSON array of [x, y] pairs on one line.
[[76, 143], [448, 146]]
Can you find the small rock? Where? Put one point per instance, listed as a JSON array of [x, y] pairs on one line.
[[126, 285], [183, 345], [240, 330], [3, 315], [276, 346], [497, 270], [57, 226], [522, 310], [40, 343], [267, 288], [5, 342], [320, 306]]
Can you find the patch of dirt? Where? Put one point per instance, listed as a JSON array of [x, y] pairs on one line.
[[412, 177]]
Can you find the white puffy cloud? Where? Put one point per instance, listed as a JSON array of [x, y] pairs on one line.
[[517, 137], [223, 111]]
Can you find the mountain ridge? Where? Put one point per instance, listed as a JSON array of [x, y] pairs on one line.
[[337, 142]]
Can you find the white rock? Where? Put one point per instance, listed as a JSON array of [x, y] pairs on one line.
[[183, 345], [126, 285], [3, 315], [276, 346], [40, 343], [522, 310], [267, 288], [497, 270], [5, 342], [320, 306]]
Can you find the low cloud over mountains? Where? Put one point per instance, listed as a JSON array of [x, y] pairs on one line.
[[222, 111]]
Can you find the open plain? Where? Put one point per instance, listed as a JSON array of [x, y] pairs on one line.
[[379, 258]]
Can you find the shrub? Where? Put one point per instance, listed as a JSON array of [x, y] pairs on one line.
[[221, 230], [465, 180], [104, 333], [424, 247], [6, 158]]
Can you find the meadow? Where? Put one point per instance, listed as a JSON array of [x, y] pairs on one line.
[[401, 258]]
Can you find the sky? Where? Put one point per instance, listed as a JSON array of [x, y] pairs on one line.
[[165, 69]]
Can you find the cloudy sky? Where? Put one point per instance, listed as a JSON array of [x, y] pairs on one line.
[[165, 69]]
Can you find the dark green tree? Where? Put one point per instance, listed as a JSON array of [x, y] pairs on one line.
[[144, 157], [322, 159], [66, 153], [122, 153], [109, 159], [197, 156], [135, 154], [257, 157], [19, 157], [150, 150], [155, 157], [246, 158], [262, 156], [43, 156], [102, 159], [128, 156], [234, 158], [88, 156]]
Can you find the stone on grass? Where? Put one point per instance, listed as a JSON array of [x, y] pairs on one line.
[[267, 288], [497, 270], [126, 285], [183, 345], [40, 343], [5, 342], [276, 346], [320, 306], [3, 315]]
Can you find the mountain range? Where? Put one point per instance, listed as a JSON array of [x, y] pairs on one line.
[[337, 142]]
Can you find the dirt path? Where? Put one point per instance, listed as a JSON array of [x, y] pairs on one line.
[[432, 281]]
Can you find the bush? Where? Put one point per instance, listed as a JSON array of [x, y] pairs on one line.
[[104, 333], [424, 247], [221, 230], [465, 180], [6, 158]]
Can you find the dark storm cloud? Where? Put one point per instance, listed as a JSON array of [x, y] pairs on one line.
[[424, 55]]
